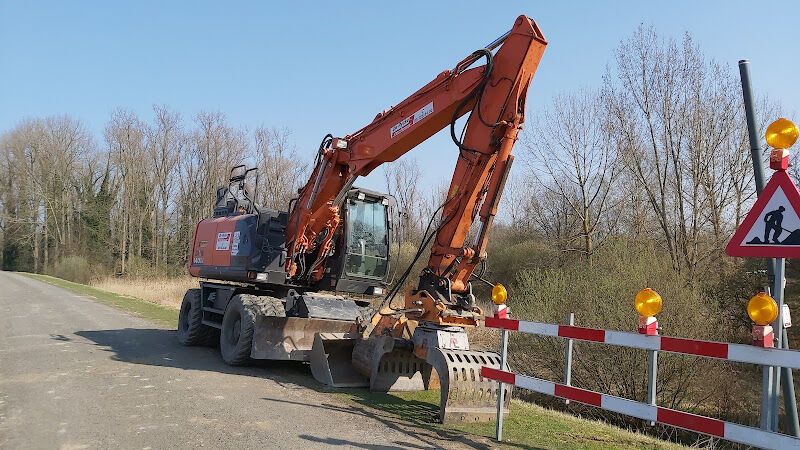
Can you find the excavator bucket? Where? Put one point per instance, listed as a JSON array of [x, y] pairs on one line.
[[331, 361], [390, 368], [465, 395]]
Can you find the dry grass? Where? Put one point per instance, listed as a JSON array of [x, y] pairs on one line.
[[166, 292]]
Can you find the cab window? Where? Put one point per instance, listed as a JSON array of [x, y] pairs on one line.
[[367, 239]]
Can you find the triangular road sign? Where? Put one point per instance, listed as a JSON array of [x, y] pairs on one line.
[[772, 227]]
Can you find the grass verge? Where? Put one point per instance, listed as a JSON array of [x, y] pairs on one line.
[[527, 425], [136, 306]]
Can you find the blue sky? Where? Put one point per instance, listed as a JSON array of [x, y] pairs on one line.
[[318, 67]]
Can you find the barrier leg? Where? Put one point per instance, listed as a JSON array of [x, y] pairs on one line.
[[766, 397], [501, 392], [652, 373], [789, 399], [568, 356]]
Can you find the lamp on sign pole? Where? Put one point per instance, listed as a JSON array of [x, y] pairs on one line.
[[499, 297], [762, 310]]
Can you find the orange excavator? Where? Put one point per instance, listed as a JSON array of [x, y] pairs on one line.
[[274, 280]]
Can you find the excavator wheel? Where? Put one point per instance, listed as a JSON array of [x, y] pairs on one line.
[[236, 337], [191, 330]]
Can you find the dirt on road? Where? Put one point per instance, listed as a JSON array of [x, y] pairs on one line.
[[75, 373]]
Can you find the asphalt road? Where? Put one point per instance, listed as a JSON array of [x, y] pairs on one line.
[[75, 373]]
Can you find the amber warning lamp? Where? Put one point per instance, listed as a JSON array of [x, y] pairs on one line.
[[499, 297], [762, 310], [648, 304], [780, 135]]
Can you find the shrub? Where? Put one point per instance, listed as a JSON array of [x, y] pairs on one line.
[[601, 296], [73, 268]]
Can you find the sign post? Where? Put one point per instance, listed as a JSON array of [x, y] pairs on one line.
[[772, 230]]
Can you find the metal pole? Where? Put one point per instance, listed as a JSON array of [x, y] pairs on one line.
[[777, 326], [758, 173], [652, 373], [568, 357], [766, 396], [789, 400], [501, 392], [752, 131]]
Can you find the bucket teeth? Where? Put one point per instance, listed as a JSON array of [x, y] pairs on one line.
[[465, 395]]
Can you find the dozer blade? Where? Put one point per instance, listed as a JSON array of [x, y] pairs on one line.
[[332, 361], [290, 338], [465, 395]]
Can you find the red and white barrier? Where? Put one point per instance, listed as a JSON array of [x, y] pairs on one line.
[[719, 350], [692, 422]]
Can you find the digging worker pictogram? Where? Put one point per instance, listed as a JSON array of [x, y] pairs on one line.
[[773, 220]]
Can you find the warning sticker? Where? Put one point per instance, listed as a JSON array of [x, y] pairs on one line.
[[223, 241], [235, 246], [406, 123]]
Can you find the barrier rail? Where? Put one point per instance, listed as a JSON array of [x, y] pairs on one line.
[[651, 412], [709, 349]]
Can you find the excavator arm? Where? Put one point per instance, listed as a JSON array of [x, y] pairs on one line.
[[494, 95]]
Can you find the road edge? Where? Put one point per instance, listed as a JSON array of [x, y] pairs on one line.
[[133, 305]]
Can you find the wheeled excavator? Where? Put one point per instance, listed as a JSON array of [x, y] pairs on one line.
[[297, 284]]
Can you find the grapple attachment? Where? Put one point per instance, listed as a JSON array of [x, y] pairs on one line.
[[391, 366], [465, 395]]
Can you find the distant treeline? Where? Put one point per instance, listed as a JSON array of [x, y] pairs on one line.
[[131, 197]]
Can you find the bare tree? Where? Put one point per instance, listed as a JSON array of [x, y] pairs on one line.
[[678, 123], [572, 150], [400, 181], [280, 168], [125, 137], [165, 145]]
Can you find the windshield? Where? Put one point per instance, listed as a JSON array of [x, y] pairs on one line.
[[367, 241]]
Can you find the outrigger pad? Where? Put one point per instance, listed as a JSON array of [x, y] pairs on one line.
[[466, 396]]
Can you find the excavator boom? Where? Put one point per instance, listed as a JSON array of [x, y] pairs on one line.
[[494, 95], [421, 344]]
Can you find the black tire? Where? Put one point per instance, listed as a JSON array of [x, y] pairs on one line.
[[191, 330], [236, 337], [268, 306]]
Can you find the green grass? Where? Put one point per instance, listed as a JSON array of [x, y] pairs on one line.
[[526, 426], [133, 305]]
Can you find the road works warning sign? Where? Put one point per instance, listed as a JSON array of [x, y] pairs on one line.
[[772, 227]]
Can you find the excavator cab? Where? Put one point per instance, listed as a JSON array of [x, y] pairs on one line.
[[361, 260]]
